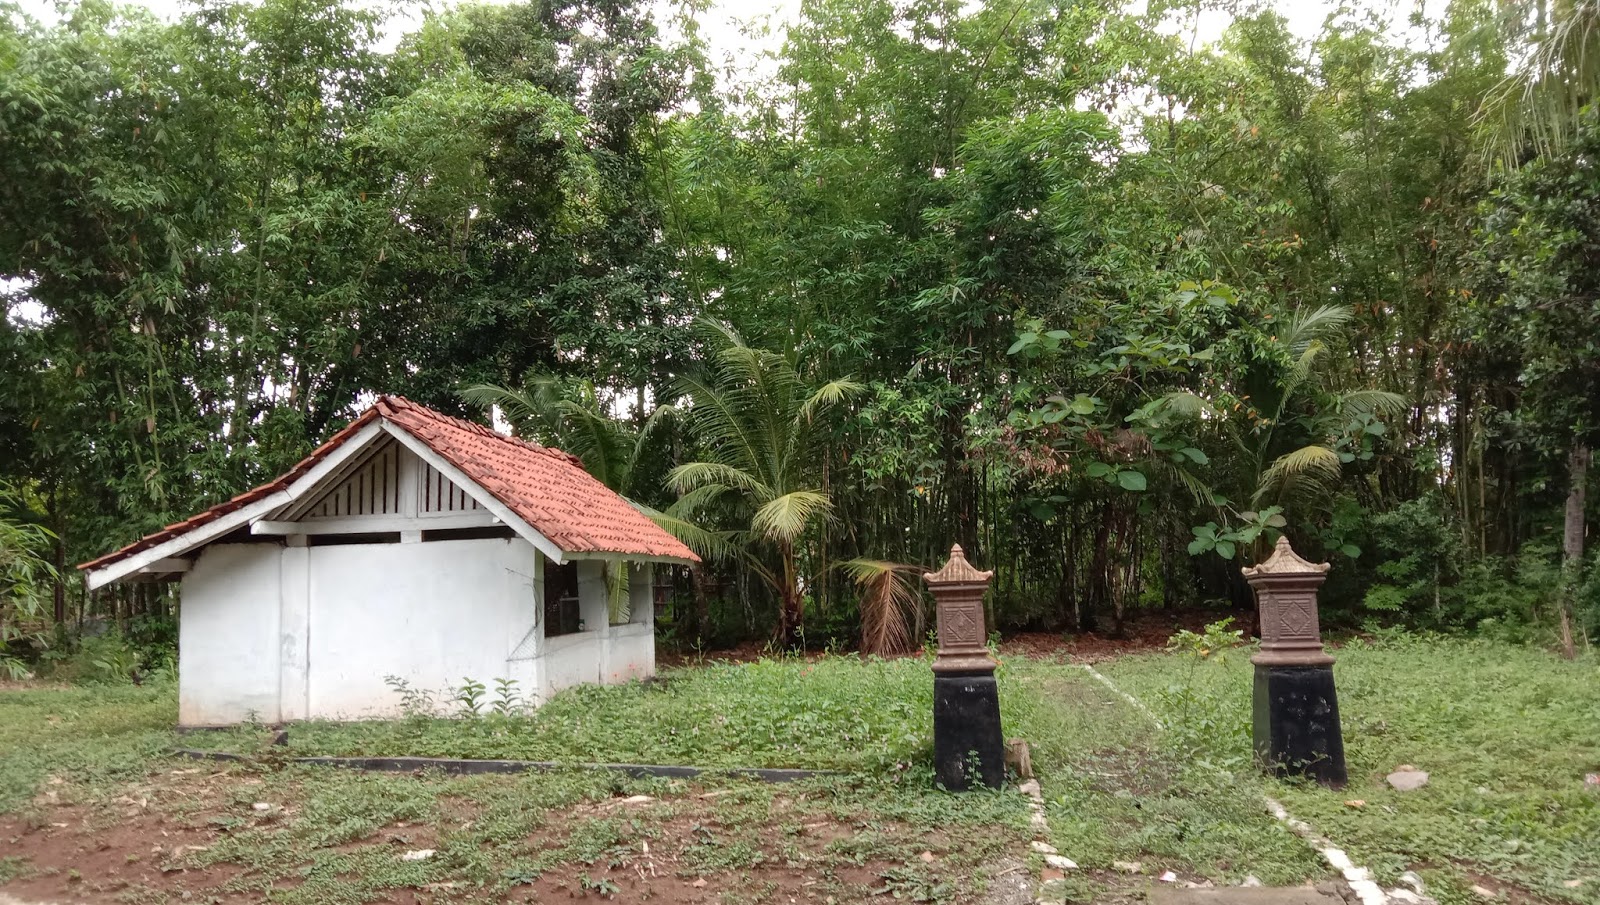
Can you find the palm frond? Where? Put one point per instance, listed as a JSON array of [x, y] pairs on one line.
[[1184, 404], [716, 334], [576, 425], [619, 604], [1540, 104], [788, 516], [516, 405], [1313, 325], [1202, 493], [1309, 469], [829, 394], [1378, 403], [890, 604], [698, 500], [721, 421], [706, 543], [690, 475]]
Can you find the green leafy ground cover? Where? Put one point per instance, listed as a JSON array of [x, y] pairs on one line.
[[834, 713], [1506, 732], [99, 735], [94, 809]]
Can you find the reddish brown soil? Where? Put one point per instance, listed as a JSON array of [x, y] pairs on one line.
[[141, 846]]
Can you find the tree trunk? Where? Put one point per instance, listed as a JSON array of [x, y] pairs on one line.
[[791, 609], [1572, 541], [699, 581]]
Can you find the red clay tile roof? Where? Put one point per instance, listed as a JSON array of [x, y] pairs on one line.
[[545, 487]]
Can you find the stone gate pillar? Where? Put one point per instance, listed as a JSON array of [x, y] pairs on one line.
[[968, 746], [1296, 709]]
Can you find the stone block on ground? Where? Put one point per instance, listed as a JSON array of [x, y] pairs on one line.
[[1405, 780]]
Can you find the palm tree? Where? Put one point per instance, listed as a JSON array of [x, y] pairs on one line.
[[756, 418], [25, 577]]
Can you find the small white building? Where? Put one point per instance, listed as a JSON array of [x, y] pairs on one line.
[[411, 545]]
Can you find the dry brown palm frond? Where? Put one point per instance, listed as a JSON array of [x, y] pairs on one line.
[[891, 605]]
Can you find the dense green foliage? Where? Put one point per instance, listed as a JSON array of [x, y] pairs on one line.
[[1109, 306]]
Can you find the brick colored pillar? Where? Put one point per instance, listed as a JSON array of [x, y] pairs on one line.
[[968, 745], [1296, 708]]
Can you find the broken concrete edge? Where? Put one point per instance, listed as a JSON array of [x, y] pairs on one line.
[[468, 767]]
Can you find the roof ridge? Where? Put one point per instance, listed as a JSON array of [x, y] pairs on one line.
[[481, 430]]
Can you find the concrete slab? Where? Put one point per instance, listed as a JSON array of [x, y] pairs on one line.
[[1241, 895]]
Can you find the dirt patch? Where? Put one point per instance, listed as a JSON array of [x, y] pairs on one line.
[[1143, 632], [696, 857], [80, 854], [188, 835]]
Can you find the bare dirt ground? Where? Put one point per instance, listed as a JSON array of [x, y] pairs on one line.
[[196, 835]]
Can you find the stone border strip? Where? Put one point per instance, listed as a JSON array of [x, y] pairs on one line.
[[1053, 860], [468, 767], [1358, 878], [1137, 704]]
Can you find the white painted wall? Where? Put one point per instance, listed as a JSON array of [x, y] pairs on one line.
[[278, 633], [434, 614], [229, 646], [631, 648]]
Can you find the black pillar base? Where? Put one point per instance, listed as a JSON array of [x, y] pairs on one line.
[[968, 746], [1296, 729]]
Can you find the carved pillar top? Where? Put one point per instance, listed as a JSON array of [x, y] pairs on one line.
[[958, 599], [1286, 591]]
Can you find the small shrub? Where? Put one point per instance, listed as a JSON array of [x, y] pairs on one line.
[[469, 697], [507, 702], [1216, 639], [415, 703]]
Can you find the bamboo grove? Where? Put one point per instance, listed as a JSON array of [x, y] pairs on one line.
[[1109, 305]]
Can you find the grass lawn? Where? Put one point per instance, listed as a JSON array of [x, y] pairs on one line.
[[1507, 735], [92, 809]]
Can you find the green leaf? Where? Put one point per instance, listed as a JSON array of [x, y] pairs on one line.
[[1099, 469], [1200, 545], [1131, 480], [1225, 549], [1083, 405], [1350, 550], [1195, 455]]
